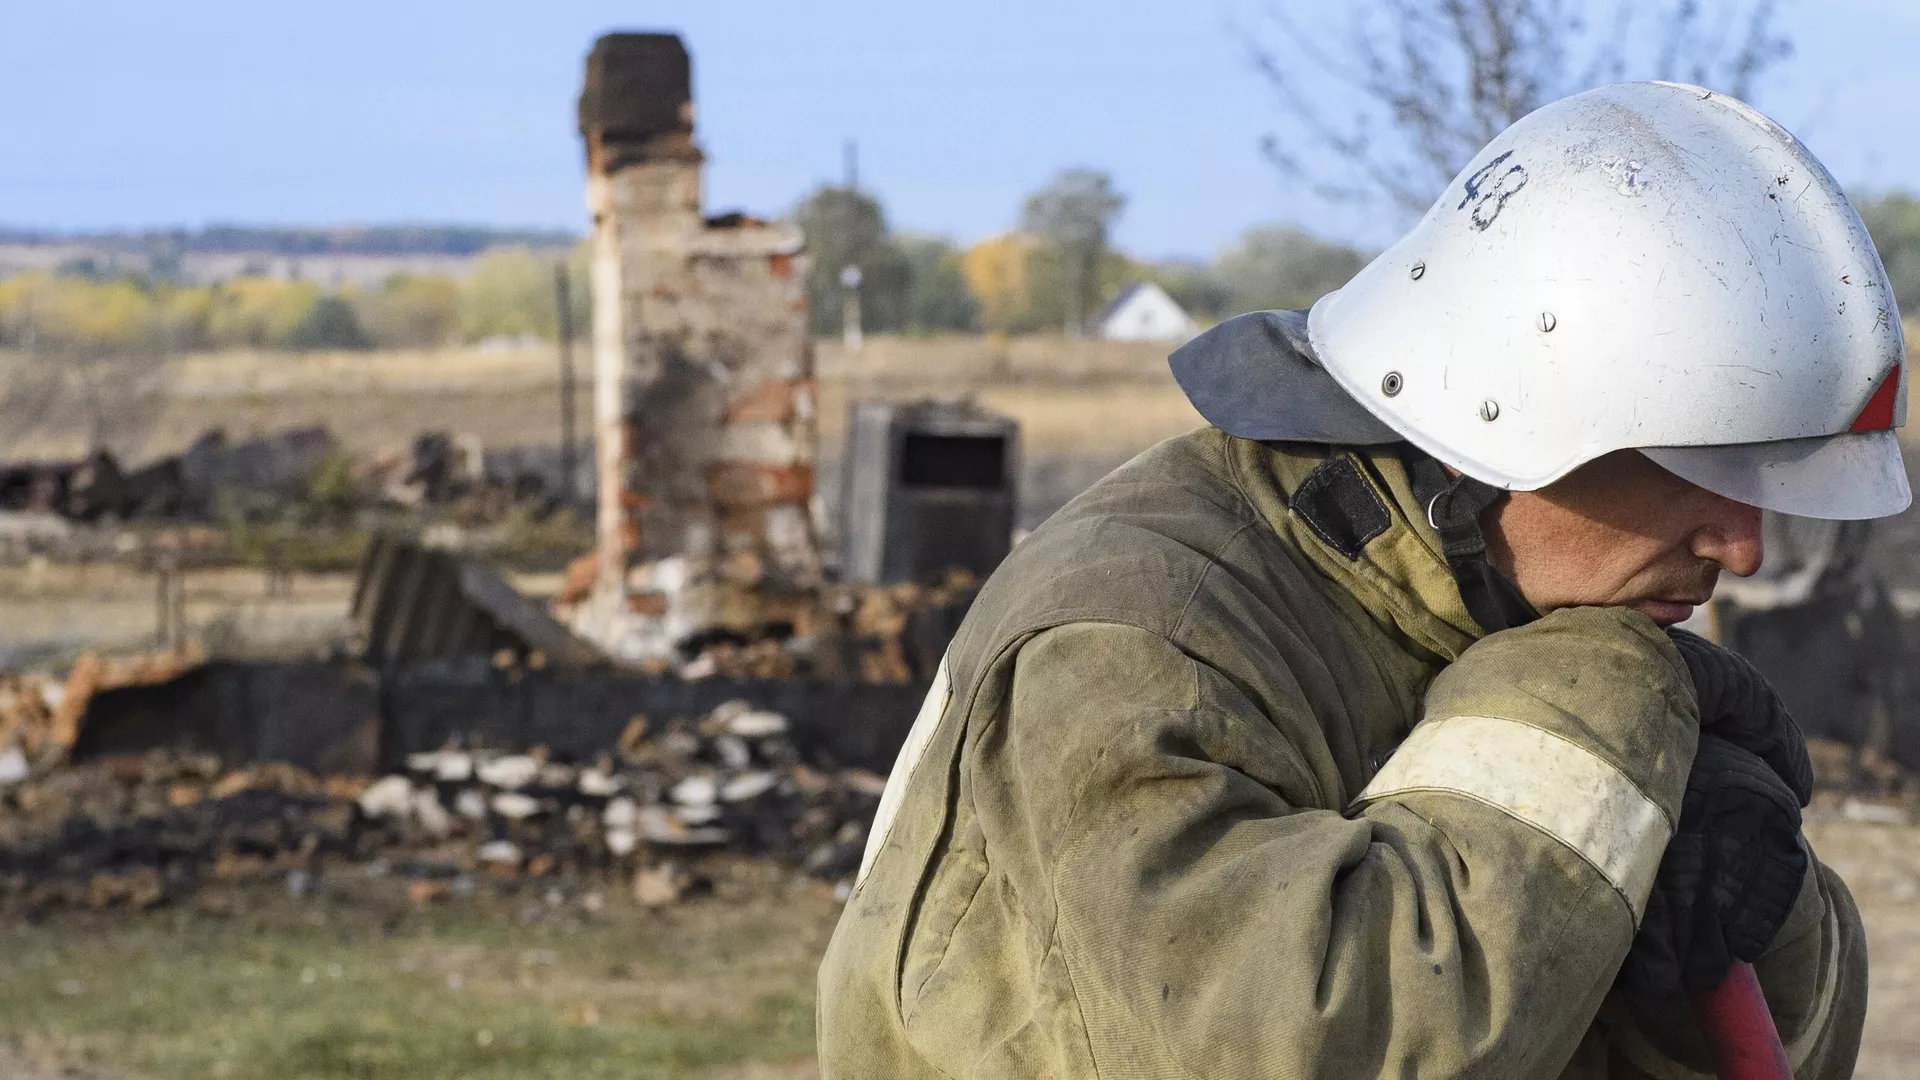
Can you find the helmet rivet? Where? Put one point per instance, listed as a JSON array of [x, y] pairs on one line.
[[1489, 410], [1418, 270], [1547, 322], [1391, 384]]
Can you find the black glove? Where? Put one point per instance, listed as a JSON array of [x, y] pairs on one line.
[[1728, 880], [1739, 705]]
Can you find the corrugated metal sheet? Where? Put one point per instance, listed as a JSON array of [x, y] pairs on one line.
[[414, 603]]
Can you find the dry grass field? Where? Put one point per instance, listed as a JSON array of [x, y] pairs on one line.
[[1084, 406], [363, 985], [1071, 396]]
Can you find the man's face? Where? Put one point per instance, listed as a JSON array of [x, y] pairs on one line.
[[1621, 531]]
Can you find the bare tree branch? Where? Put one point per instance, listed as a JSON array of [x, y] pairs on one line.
[[1394, 105]]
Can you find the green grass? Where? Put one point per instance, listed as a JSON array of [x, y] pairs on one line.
[[325, 991]]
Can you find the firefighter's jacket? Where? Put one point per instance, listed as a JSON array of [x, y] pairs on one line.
[[1219, 779]]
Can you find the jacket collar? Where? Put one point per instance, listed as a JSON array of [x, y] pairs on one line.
[[1353, 513]]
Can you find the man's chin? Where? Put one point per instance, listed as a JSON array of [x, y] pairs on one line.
[[1664, 612]]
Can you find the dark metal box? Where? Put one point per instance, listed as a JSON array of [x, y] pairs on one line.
[[929, 487]]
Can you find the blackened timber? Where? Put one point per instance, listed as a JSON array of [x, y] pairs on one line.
[[344, 717]]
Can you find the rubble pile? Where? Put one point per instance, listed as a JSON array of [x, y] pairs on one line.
[[216, 476], [40, 714], [875, 634], [140, 831], [33, 724], [897, 633], [730, 780]]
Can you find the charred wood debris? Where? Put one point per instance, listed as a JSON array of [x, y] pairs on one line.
[[217, 477], [655, 812], [474, 745]]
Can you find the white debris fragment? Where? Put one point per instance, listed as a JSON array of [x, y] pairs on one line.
[[697, 815], [509, 773], [471, 804], [696, 790], [656, 825], [680, 744], [595, 784], [1872, 813], [514, 806], [747, 786], [387, 797], [453, 767], [866, 783], [430, 815], [733, 750], [621, 841], [13, 766], [620, 813], [499, 852], [757, 724]]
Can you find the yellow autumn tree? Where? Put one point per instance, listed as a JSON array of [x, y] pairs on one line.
[[997, 272], [258, 312], [51, 311]]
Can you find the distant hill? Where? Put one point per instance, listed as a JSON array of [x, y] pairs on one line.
[[386, 240]]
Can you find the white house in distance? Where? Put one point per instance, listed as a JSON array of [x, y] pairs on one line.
[[1144, 312]]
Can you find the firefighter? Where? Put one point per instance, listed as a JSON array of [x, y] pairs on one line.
[[1347, 736]]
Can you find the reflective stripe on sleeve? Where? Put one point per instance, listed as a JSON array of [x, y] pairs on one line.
[[1800, 1050], [1555, 785], [918, 736]]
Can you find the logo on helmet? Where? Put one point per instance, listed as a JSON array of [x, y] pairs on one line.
[[1877, 414], [1487, 200]]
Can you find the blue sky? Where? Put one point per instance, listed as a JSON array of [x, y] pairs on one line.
[[139, 114]]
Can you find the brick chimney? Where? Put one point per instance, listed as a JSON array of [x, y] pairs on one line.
[[703, 376]]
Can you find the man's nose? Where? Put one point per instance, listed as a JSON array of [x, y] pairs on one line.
[[1732, 538]]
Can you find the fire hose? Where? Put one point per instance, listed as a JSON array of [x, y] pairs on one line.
[[1738, 1025]]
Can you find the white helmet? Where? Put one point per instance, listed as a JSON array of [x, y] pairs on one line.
[[1649, 266]]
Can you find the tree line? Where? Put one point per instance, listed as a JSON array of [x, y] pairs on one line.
[[509, 294], [1052, 273], [159, 244], [1038, 278]]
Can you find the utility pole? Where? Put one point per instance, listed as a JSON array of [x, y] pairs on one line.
[[850, 335], [1076, 291], [850, 329], [563, 297]]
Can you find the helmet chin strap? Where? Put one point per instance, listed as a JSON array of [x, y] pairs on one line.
[[1454, 504]]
